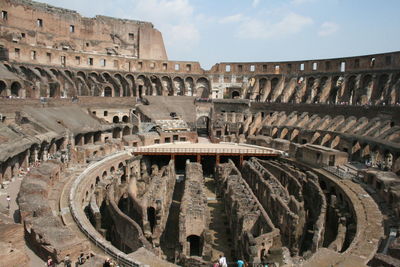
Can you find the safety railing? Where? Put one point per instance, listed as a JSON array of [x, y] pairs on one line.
[[204, 150]]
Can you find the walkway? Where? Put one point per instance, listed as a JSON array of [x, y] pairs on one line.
[[219, 226], [13, 189]]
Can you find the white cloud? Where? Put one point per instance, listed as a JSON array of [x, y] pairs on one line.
[[328, 28], [231, 19], [290, 24], [174, 18], [255, 3]]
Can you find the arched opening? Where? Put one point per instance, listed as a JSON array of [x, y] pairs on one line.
[[151, 217], [97, 180], [235, 94], [135, 129], [125, 119], [202, 126], [194, 245], [3, 87], [126, 131], [274, 83], [15, 87], [115, 119], [202, 88], [179, 86], [117, 133], [107, 92]]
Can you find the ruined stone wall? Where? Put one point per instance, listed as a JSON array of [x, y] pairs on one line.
[[252, 230], [286, 212], [194, 217], [364, 139], [158, 196], [65, 30], [45, 232], [352, 80]]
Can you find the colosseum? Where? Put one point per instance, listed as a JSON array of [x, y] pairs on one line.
[[111, 152]]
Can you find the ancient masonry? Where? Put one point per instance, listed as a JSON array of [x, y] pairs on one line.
[[110, 150]]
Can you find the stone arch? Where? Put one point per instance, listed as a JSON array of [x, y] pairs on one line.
[[189, 84], [320, 88], [350, 89], [295, 136], [167, 85], [262, 83], [3, 88], [325, 139], [117, 88], [365, 90], [274, 84], [335, 141], [156, 86], [81, 74], [135, 129], [124, 83], [108, 92], [117, 132], [379, 90], [179, 86], [125, 119], [309, 89], [126, 131], [202, 88], [194, 242], [131, 81], [274, 132], [54, 89], [142, 84], [235, 94], [15, 89], [334, 92], [115, 119], [69, 74], [284, 133], [316, 138]]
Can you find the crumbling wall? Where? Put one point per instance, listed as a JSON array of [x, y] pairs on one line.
[[194, 217], [252, 230]]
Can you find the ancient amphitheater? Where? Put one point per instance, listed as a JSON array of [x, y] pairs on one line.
[[109, 149]]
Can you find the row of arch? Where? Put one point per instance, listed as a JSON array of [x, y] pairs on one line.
[[360, 149], [11, 88], [52, 82], [374, 88]]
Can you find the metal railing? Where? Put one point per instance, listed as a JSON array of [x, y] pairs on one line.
[[187, 150]]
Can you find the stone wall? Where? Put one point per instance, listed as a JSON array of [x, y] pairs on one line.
[[252, 230], [194, 217]]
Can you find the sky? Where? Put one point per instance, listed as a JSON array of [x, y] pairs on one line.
[[212, 31]]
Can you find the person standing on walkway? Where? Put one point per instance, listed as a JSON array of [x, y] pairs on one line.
[[240, 263], [222, 261], [8, 201]]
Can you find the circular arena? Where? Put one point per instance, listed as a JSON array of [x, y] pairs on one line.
[[111, 153]]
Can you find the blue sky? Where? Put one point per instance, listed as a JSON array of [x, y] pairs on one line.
[[211, 31]]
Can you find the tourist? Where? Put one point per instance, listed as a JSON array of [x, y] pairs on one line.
[[81, 260], [107, 263], [222, 261], [67, 261], [240, 263], [216, 264], [8, 201], [50, 262]]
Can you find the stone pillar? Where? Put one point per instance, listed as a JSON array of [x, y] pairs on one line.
[[45, 152]]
